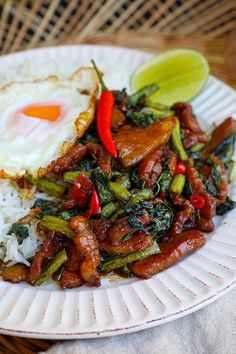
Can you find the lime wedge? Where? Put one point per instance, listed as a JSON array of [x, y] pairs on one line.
[[181, 74]]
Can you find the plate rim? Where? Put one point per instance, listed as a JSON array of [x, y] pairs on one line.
[[125, 329]]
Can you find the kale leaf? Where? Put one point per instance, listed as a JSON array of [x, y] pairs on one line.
[[87, 164], [228, 205], [101, 181], [165, 178], [162, 217], [142, 118], [47, 207], [21, 232], [225, 150]]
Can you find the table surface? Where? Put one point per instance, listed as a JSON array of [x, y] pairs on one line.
[[221, 54]]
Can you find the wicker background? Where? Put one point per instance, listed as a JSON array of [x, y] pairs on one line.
[[152, 25]]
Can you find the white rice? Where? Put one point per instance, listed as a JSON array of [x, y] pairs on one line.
[[13, 207]]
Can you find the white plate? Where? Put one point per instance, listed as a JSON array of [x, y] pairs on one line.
[[126, 306]]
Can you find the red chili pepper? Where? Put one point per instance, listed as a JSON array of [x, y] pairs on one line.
[[186, 131], [180, 168], [95, 206], [197, 201], [104, 115], [82, 190]]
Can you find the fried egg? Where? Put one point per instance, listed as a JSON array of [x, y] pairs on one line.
[[42, 119]]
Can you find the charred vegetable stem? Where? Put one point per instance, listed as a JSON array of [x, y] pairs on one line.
[[120, 192], [69, 176], [197, 147], [142, 195], [232, 172], [49, 187], [109, 209], [120, 261], [145, 91], [177, 143], [55, 224], [177, 184], [56, 263]]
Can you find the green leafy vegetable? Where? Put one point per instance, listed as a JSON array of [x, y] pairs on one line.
[[228, 205], [21, 232], [56, 263], [209, 186], [165, 178], [226, 149], [86, 165], [119, 261], [134, 178], [47, 207], [143, 118], [162, 217], [215, 172], [101, 181]]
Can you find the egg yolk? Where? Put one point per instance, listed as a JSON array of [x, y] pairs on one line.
[[50, 113]]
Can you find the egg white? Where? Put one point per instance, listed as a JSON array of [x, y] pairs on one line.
[[30, 145]]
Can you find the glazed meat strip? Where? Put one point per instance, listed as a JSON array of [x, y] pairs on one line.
[[71, 277], [134, 143], [186, 117], [52, 244], [151, 162], [100, 228], [71, 159], [187, 214], [78, 152], [114, 242], [171, 252], [151, 168], [205, 225], [103, 156], [219, 134], [223, 187], [138, 242], [198, 187], [87, 244], [188, 121]]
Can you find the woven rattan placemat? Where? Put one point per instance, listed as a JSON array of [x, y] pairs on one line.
[[221, 53]]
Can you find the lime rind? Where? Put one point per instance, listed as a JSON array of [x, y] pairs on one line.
[[181, 74]]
